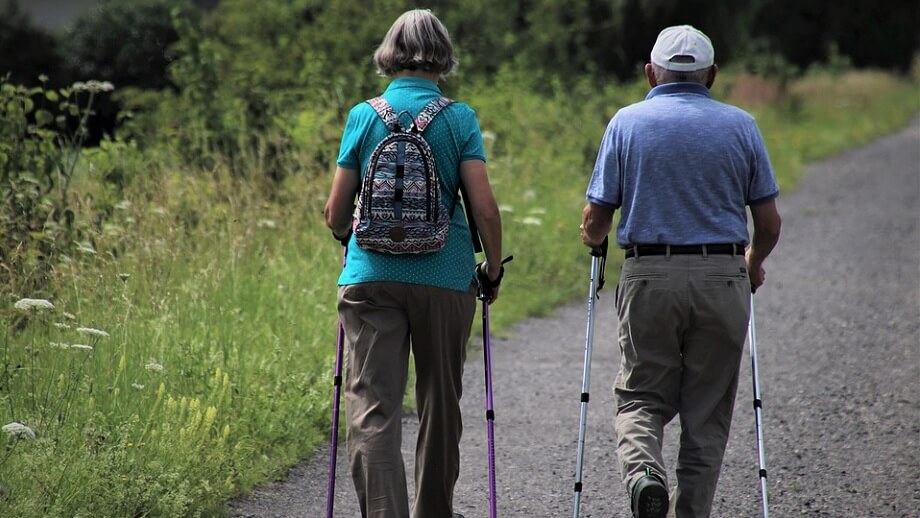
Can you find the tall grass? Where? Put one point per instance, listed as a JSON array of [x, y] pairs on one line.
[[209, 306]]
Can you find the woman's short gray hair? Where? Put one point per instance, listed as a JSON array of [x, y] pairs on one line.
[[417, 40], [664, 76]]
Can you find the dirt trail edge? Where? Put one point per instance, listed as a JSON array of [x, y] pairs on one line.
[[839, 361]]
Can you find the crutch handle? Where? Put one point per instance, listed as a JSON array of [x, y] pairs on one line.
[[601, 251]]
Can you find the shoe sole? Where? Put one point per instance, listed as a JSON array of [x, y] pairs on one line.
[[653, 502]]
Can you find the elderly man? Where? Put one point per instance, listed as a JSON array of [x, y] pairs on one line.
[[681, 168]]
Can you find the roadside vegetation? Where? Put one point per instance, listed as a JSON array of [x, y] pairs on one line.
[[167, 289]]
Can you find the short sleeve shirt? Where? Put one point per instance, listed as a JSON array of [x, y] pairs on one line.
[[454, 136], [681, 167]]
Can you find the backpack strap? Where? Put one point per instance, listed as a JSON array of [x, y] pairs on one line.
[[385, 111], [429, 112], [474, 232]]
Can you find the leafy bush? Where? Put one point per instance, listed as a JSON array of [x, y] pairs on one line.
[[38, 158]]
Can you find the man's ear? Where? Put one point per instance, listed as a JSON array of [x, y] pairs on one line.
[[650, 75], [712, 75]]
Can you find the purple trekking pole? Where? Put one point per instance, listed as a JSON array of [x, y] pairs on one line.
[[490, 413], [485, 290], [337, 391]]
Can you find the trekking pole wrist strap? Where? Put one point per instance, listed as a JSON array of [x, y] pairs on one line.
[[601, 252]]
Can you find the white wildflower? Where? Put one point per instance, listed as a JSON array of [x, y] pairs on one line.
[[92, 331], [123, 205], [154, 366], [27, 304], [124, 276], [138, 386], [59, 345], [506, 208], [19, 431], [61, 325], [530, 220], [81, 346], [537, 210], [86, 248], [267, 223], [530, 195], [158, 210], [69, 315], [92, 86]]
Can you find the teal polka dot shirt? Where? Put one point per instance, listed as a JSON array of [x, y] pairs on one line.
[[454, 136]]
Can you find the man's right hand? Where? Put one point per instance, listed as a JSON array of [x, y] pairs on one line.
[[756, 273]]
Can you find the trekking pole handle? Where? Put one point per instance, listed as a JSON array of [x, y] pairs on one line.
[[487, 285], [601, 252]]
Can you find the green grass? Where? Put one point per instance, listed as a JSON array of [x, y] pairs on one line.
[[218, 305]]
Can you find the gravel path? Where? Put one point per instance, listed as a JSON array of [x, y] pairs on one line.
[[839, 357]]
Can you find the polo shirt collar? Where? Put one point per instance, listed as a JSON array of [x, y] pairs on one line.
[[413, 82], [678, 89]]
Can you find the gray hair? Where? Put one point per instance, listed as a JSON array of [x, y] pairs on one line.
[[417, 40], [664, 76]]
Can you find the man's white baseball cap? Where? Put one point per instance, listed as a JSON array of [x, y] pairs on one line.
[[683, 48]]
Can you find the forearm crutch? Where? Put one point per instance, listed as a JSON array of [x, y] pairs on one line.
[[598, 263], [758, 418]]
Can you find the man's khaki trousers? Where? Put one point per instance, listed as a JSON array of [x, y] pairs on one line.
[[382, 320], [682, 325]]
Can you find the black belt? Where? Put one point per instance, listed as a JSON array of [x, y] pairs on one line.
[[720, 249]]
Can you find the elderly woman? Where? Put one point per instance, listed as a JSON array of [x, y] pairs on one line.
[[389, 303]]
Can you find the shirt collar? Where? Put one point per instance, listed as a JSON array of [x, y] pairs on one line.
[[413, 82], [679, 88]]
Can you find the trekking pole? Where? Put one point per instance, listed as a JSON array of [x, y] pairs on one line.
[[337, 382], [598, 264], [758, 418], [490, 412]]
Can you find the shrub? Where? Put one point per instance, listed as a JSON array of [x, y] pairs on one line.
[[38, 158]]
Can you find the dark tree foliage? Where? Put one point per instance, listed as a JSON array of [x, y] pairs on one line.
[[881, 33], [126, 42], [26, 51], [245, 61], [638, 23], [878, 33]]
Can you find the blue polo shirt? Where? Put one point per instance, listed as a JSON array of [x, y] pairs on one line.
[[454, 136], [681, 167]]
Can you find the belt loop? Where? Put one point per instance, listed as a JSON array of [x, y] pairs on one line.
[[667, 251], [705, 251], [734, 249], [635, 250]]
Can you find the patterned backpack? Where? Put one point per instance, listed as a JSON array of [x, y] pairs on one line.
[[399, 206]]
